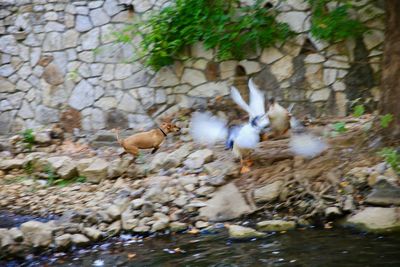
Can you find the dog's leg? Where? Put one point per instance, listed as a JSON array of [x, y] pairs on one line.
[[155, 150]]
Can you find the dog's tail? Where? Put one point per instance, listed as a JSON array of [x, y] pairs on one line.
[[119, 140]]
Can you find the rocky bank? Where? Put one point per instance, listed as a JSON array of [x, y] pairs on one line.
[[97, 194]]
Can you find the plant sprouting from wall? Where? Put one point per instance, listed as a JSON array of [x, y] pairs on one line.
[[223, 25], [334, 24]]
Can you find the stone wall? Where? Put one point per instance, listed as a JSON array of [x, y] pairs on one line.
[[59, 62]]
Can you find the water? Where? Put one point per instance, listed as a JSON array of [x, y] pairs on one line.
[[335, 247]]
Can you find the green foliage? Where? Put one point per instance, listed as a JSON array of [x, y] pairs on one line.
[[392, 157], [358, 111], [63, 182], [386, 120], [51, 174], [340, 127], [233, 31], [334, 25], [28, 138]]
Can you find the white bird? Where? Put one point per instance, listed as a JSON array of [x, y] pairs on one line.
[[208, 129]]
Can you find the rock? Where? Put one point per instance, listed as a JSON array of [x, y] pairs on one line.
[[219, 172], [83, 23], [114, 228], [82, 96], [201, 224], [175, 158], [268, 193], [205, 190], [53, 75], [159, 225], [283, 68], [93, 233], [5, 239], [332, 212], [240, 232], [348, 204], [114, 212], [45, 115], [177, 226], [37, 234], [43, 138], [384, 194], [8, 164], [84, 164], [373, 219], [63, 241], [193, 77], [227, 203], [210, 90], [118, 167], [97, 171], [141, 229], [6, 86], [16, 234], [199, 158], [297, 20], [99, 17], [320, 95], [128, 221], [275, 226], [64, 166], [80, 240]]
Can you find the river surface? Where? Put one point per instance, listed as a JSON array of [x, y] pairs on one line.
[[334, 247]]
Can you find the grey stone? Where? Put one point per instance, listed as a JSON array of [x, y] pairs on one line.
[[193, 77], [384, 194], [25, 111], [5, 105], [122, 71], [275, 225], [97, 171], [268, 192], [83, 23], [6, 86], [82, 96], [91, 39], [53, 42], [8, 164], [240, 232], [63, 241], [53, 26], [297, 21], [164, 77], [227, 203], [8, 45], [138, 79], [129, 104], [199, 158], [71, 38], [177, 226], [373, 219], [99, 17], [112, 7], [6, 70], [80, 240], [23, 86], [37, 234], [46, 115], [210, 90]]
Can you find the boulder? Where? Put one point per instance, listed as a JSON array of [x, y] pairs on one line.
[[63, 241], [219, 172], [16, 234], [9, 164], [275, 225], [64, 166], [80, 240], [199, 158], [5, 239], [37, 234], [97, 171], [268, 192], [175, 158], [240, 232], [227, 203], [118, 167], [384, 194], [141, 229], [177, 226], [374, 219], [159, 225], [93, 233], [114, 228]]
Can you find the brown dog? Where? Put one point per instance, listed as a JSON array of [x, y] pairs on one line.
[[146, 140]]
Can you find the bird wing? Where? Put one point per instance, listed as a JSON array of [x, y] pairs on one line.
[[239, 100], [257, 107], [248, 137], [306, 145], [208, 129]]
